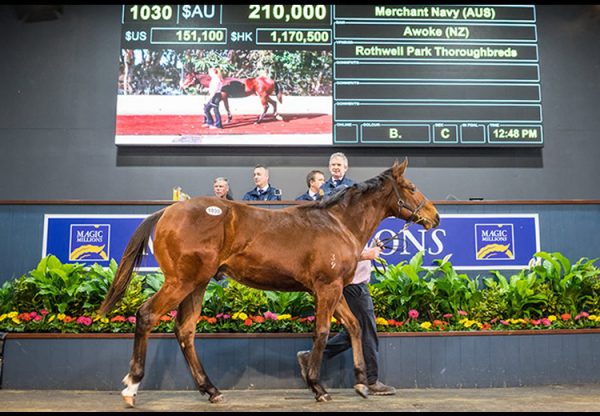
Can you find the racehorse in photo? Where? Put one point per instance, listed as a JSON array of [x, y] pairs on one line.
[[311, 247], [261, 86]]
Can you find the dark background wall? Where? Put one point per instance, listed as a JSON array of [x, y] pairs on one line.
[[58, 107]]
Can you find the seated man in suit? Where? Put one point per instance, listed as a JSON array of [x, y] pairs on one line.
[[221, 188], [338, 166], [314, 180], [263, 190]]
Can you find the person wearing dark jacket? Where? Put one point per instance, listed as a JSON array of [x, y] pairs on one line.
[[263, 190], [359, 300], [314, 180], [338, 166], [221, 188]]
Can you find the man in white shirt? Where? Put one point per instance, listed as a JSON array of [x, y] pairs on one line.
[[213, 99]]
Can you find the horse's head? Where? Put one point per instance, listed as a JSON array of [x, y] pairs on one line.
[[411, 205], [191, 78]]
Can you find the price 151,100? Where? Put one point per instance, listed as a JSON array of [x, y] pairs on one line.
[[192, 36]]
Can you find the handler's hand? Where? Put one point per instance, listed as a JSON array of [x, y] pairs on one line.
[[370, 253]]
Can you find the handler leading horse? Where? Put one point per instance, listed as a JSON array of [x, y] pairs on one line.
[[312, 247], [261, 86]]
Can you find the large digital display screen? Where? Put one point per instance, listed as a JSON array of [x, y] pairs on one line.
[[330, 75]]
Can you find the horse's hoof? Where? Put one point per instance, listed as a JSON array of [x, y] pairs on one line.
[[129, 400], [218, 398], [324, 398], [362, 390], [278, 117]]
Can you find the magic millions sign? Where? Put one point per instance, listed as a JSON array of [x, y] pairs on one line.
[[475, 242]]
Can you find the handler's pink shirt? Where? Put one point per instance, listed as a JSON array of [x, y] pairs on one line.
[[363, 272]]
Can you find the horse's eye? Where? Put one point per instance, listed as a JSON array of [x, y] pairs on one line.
[[413, 189]]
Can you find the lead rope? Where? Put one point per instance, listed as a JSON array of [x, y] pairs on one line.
[[381, 244]]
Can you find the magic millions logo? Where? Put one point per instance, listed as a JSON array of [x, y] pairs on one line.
[[89, 242], [494, 242]]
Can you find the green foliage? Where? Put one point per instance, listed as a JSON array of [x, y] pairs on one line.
[[521, 294], [554, 286], [94, 289], [407, 286], [154, 72], [244, 299], [301, 72], [304, 72], [552, 293], [573, 285], [403, 288], [493, 303], [133, 297], [452, 291], [51, 286], [215, 301], [7, 298], [293, 303], [152, 283], [380, 300]]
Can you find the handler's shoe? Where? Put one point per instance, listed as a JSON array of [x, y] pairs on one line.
[[380, 389], [302, 357]]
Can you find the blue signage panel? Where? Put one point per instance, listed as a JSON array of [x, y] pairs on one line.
[[90, 239], [476, 242]]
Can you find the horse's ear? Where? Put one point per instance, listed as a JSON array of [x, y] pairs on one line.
[[399, 168]]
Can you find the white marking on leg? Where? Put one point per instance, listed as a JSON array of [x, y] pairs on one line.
[[131, 389]]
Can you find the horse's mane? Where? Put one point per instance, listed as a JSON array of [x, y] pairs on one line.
[[356, 190]]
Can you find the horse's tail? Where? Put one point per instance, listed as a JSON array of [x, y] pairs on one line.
[[132, 258], [279, 92]]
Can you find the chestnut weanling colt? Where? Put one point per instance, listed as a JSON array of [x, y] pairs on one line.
[[311, 247]]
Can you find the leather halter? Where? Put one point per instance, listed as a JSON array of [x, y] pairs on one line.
[[414, 216], [403, 205]]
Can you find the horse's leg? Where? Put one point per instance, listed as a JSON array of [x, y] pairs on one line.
[[166, 299], [265, 103], [326, 300], [274, 104], [348, 320], [185, 329]]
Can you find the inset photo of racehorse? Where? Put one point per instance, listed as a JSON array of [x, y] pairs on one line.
[[224, 97]]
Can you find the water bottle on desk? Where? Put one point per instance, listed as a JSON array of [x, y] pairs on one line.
[[177, 193]]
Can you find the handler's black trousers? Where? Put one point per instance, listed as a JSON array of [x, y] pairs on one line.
[[360, 302], [213, 105]]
